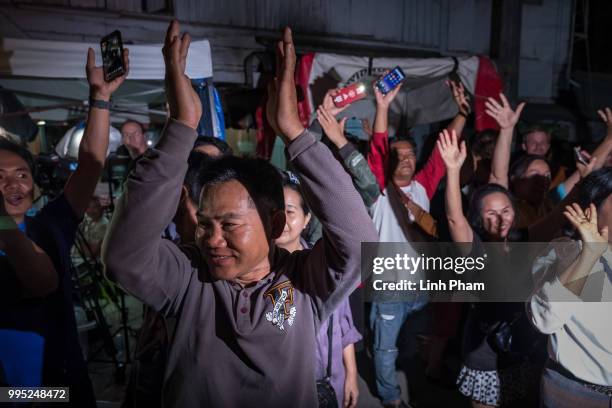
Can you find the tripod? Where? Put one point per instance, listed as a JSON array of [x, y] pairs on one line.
[[91, 284]]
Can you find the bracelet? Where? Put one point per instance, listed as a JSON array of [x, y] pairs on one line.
[[465, 115], [7, 223], [100, 104]]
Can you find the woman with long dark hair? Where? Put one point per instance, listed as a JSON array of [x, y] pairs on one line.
[[571, 304], [343, 371], [491, 376], [484, 378]]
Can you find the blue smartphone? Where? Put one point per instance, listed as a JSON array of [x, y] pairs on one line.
[[391, 80]]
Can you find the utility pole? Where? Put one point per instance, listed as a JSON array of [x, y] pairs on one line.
[[506, 19]]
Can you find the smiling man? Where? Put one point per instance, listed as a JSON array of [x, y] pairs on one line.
[[398, 212], [35, 273], [247, 312]]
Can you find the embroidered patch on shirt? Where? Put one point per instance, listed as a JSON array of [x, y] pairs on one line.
[[283, 309]]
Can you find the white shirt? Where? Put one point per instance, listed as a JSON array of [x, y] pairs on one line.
[[387, 225], [389, 229], [580, 332]]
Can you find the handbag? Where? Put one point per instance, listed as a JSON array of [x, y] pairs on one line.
[[325, 392], [516, 338]]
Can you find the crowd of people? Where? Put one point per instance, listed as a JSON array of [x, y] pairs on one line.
[[249, 303]]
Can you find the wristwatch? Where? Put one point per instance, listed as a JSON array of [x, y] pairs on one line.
[[100, 104]]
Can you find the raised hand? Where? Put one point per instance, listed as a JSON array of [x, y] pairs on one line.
[[98, 87], [287, 118], [183, 102], [585, 222], [586, 169], [606, 116], [332, 128], [459, 96], [383, 101], [328, 103], [452, 153], [503, 113]]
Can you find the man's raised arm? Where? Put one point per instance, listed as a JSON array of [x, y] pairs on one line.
[[92, 150], [331, 270], [134, 253]]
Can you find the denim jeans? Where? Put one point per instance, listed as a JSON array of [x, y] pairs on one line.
[[386, 320]]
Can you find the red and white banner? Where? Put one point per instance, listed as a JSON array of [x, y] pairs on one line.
[[425, 98]]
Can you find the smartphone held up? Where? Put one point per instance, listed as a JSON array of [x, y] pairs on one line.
[[579, 157], [390, 81], [349, 94], [112, 56]]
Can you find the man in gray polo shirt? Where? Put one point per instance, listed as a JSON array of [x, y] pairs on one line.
[[248, 312]]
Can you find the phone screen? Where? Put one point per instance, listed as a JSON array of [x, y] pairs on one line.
[[112, 56], [391, 80]]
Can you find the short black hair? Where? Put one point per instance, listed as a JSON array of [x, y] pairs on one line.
[[223, 147], [393, 159], [408, 139], [196, 164], [20, 151], [261, 179]]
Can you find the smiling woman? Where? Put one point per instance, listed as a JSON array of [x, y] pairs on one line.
[[297, 214]]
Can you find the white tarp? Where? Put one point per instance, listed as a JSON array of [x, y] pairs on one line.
[[61, 59], [425, 97]]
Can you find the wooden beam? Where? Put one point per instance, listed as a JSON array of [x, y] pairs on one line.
[[506, 42]]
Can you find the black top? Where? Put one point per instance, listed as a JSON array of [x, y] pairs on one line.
[[53, 229], [483, 317]]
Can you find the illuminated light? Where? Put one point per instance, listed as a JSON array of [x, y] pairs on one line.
[[41, 123], [68, 146]]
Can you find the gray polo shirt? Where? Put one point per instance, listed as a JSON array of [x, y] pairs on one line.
[[236, 346]]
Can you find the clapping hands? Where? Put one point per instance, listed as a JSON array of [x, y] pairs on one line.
[[184, 103]]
